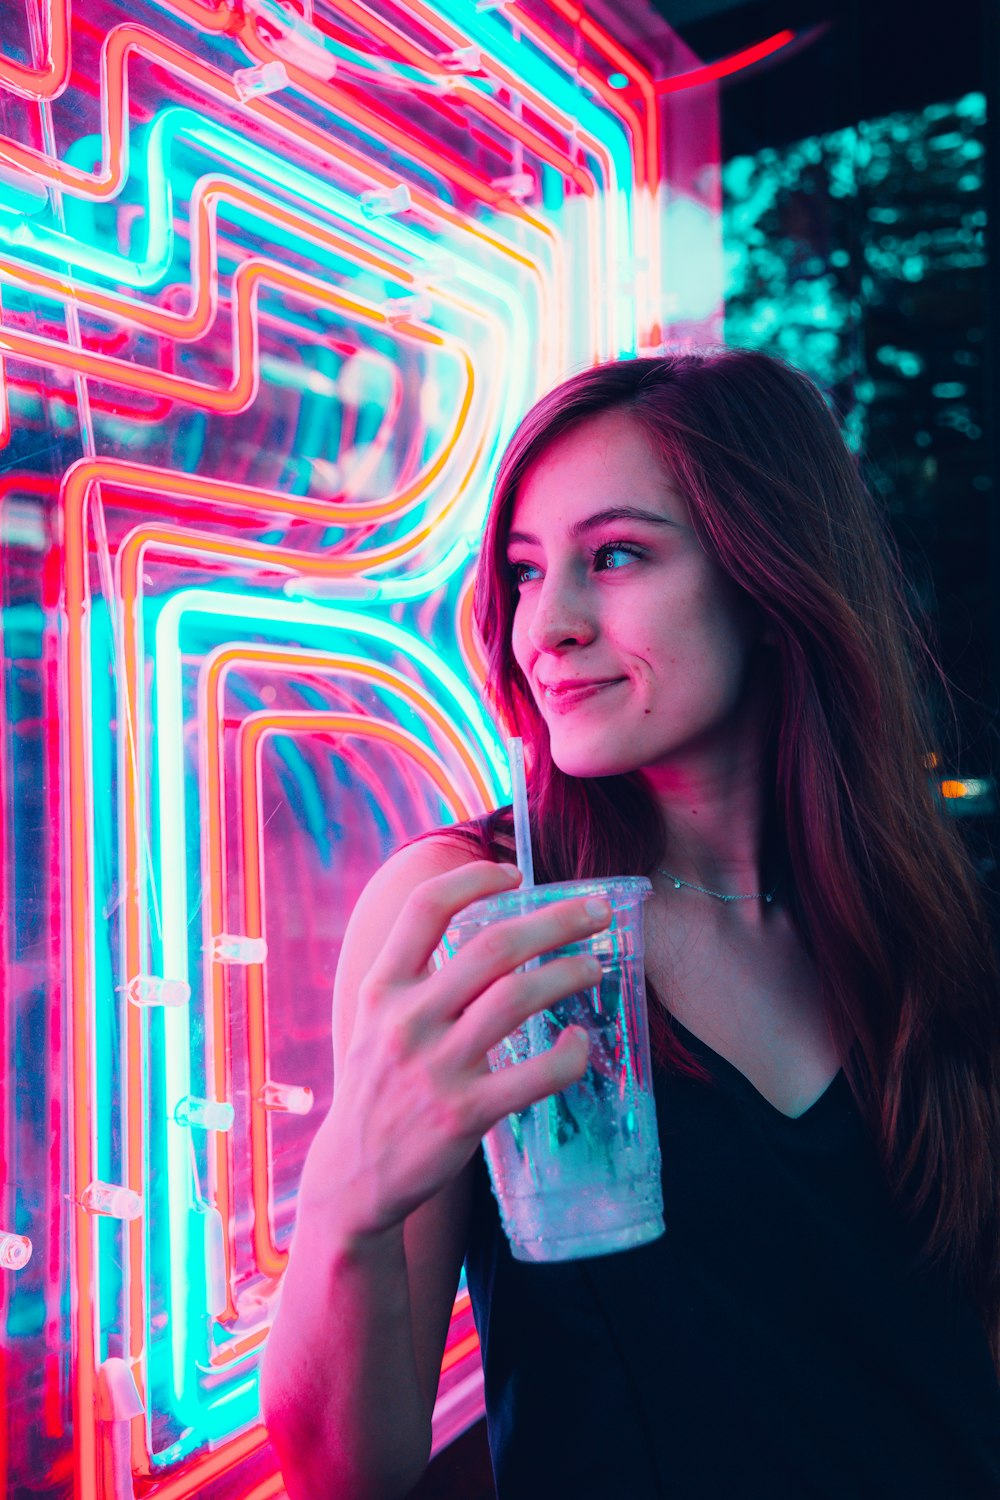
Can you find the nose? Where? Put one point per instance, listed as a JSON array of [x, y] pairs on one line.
[[560, 614]]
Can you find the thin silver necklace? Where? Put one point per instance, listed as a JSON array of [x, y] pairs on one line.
[[719, 896]]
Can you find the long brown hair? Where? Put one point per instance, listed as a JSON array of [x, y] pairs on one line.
[[881, 887]]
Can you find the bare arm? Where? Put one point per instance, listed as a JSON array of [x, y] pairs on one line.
[[352, 1363]]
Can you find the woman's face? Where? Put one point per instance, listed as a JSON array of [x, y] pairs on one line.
[[633, 603]]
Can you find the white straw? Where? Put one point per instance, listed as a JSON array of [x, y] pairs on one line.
[[522, 837], [522, 832]]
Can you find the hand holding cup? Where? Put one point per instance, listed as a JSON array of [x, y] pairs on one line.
[[414, 1093]]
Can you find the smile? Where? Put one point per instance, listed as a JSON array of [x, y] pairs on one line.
[[565, 699]]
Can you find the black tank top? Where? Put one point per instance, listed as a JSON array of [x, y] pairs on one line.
[[775, 1344]]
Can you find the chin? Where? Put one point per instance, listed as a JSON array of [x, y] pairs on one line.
[[577, 760]]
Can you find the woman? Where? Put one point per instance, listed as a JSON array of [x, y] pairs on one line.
[[694, 618]]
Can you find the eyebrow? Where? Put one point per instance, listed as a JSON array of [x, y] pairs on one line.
[[601, 518]]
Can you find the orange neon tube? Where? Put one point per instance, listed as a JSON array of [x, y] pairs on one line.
[[47, 82], [211, 693], [114, 94], [76, 489], [255, 728], [242, 390], [186, 327]]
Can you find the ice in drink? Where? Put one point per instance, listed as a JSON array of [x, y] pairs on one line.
[[578, 1173]]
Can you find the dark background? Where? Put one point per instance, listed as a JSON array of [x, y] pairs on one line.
[[873, 59], [855, 62]]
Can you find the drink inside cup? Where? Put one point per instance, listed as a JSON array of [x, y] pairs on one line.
[[578, 1173]]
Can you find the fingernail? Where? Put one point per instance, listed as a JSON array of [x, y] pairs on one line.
[[598, 908]]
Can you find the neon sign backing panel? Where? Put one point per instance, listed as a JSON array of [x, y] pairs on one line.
[[275, 284]]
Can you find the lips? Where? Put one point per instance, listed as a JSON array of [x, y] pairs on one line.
[[566, 697], [553, 689]]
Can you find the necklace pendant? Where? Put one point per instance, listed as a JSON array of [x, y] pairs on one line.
[[769, 898], [677, 884]]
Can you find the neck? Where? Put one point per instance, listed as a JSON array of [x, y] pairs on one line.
[[725, 866], [714, 807], [714, 835]]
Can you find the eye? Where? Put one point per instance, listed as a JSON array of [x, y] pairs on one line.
[[608, 549]]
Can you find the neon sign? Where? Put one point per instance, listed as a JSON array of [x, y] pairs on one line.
[[276, 282]]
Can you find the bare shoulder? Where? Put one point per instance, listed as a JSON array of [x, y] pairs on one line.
[[419, 861]]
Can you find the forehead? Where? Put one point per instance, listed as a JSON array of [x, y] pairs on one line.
[[606, 457]]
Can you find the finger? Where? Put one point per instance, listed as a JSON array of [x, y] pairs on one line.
[[508, 1004], [427, 911], [500, 949], [514, 1088]]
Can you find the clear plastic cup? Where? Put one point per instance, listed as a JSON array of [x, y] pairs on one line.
[[578, 1173]]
